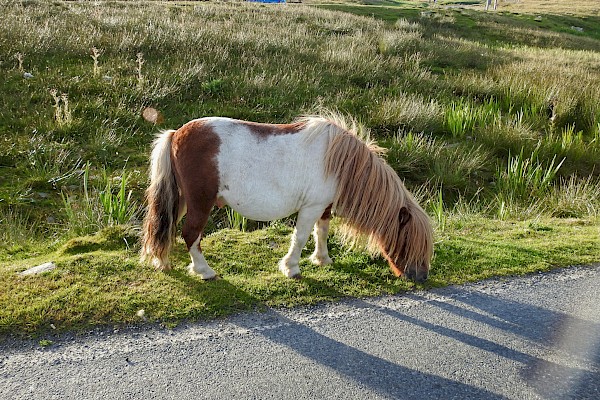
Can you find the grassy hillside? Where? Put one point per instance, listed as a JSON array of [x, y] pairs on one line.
[[492, 119]]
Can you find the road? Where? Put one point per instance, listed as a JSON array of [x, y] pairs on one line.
[[522, 338]]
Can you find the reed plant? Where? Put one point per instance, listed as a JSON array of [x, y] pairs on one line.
[[524, 181], [236, 220], [99, 206]]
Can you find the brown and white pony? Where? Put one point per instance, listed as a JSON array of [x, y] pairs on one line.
[[314, 166]]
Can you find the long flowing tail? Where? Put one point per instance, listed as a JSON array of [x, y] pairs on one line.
[[162, 197]]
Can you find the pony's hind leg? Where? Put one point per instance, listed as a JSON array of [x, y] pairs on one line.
[[305, 221], [193, 228], [199, 266], [320, 233]]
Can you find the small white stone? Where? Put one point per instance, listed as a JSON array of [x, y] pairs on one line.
[[141, 314], [27, 75], [49, 266]]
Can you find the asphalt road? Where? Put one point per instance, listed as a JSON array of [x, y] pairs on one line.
[[524, 338]]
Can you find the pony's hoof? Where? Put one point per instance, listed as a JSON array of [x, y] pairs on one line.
[[297, 277], [316, 260], [205, 274], [289, 272]]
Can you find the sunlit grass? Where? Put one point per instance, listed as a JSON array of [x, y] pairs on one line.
[[98, 280], [474, 109]]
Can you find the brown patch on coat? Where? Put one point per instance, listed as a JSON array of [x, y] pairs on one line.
[[195, 147], [263, 131]]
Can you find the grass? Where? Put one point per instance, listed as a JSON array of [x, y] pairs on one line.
[[98, 280], [491, 118]]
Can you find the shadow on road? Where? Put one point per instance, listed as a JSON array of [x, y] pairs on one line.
[[560, 335], [381, 376]]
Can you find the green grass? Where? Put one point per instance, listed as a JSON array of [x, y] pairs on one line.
[[98, 280], [454, 94]]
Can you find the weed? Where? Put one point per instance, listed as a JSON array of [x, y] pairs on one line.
[[139, 63], [462, 117], [98, 208], [16, 227], [50, 162], [574, 197], [62, 112], [20, 58], [96, 53], [439, 214], [118, 206], [45, 343]]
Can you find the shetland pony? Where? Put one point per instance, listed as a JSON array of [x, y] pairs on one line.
[[314, 166]]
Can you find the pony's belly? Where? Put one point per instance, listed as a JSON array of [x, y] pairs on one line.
[[259, 209]]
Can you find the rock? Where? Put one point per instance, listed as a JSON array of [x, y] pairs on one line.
[[141, 314], [27, 75], [577, 28], [40, 269], [538, 18]]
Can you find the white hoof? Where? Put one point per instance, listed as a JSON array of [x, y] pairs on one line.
[[204, 273], [317, 260], [290, 271]]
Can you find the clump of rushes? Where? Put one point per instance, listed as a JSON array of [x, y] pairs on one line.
[[525, 178]]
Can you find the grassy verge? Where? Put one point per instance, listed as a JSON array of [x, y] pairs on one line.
[[492, 116], [98, 280]]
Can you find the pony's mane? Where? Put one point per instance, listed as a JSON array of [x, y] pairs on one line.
[[367, 183]]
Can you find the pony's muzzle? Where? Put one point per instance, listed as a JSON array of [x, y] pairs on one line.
[[417, 275]]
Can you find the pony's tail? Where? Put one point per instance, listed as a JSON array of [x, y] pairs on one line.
[[162, 197]]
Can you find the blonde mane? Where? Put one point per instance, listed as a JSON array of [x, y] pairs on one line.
[[370, 195]]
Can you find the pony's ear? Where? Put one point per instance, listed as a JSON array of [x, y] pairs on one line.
[[404, 216]]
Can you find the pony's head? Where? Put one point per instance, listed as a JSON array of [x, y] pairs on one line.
[[409, 252], [374, 202]]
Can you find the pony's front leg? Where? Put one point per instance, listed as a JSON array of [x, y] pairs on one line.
[[320, 233], [304, 223]]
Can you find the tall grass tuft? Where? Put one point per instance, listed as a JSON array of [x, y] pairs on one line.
[[574, 197], [419, 158], [97, 208], [236, 220], [462, 117], [525, 178], [16, 228], [117, 204], [438, 209]]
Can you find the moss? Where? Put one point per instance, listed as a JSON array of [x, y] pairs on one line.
[[111, 238]]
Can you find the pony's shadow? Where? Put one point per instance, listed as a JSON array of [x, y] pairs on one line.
[[221, 297], [549, 379], [380, 375]]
